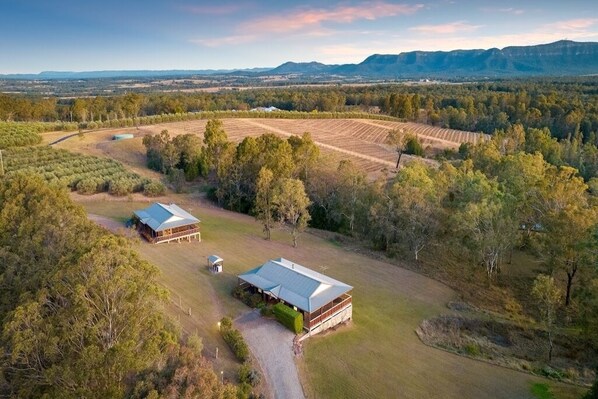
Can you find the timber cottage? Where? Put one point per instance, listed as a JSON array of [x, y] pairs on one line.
[[164, 223], [324, 301]]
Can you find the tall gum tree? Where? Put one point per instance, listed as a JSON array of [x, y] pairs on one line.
[[291, 203], [568, 223], [418, 206], [264, 200]]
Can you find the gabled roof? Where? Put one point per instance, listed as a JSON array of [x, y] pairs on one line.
[[295, 284], [160, 216], [215, 259]]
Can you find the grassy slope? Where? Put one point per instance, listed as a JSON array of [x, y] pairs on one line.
[[379, 355]]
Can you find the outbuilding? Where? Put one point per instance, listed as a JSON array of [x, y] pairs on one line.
[[215, 263]]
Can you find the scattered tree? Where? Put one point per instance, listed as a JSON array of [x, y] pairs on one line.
[[264, 206], [291, 206], [547, 296]]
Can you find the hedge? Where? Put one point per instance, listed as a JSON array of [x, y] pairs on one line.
[[288, 317], [234, 339]]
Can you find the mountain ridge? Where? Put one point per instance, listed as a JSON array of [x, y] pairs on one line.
[[563, 57], [560, 58]]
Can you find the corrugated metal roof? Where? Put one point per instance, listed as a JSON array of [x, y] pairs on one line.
[[161, 217], [295, 284], [214, 259]]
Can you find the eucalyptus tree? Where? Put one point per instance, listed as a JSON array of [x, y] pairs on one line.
[[292, 204]]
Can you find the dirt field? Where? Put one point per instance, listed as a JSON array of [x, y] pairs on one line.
[[362, 141], [377, 356]]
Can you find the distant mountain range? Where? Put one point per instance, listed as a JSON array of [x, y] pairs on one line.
[[562, 58]]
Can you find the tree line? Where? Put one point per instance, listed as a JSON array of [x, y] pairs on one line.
[[500, 196], [564, 106], [263, 175], [80, 311]]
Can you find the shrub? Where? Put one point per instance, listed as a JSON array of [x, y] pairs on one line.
[[234, 339], [195, 342], [472, 349], [244, 391], [288, 317], [240, 293], [249, 375], [226, 323], [413, 146], [120, 187], [254, 300], [153, 189], [266, 311], [87, 186]]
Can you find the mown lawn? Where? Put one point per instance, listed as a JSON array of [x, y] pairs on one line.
[[377, 356]]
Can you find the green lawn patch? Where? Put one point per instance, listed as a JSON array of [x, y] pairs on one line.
[[542, 391]]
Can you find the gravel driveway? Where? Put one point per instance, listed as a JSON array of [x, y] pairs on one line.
[[272, 345]]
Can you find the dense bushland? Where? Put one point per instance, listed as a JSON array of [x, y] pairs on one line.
[[80, 311]]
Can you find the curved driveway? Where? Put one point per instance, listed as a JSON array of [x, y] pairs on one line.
[[272, 345]]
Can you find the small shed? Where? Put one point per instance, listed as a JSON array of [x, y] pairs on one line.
[[215, 263]]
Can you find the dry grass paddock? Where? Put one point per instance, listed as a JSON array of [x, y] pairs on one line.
[[377, 356]]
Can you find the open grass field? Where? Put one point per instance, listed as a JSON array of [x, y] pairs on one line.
[[377, 356], [360, 140]]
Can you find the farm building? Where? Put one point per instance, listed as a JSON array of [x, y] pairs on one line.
[[164, 223], [324, 301]]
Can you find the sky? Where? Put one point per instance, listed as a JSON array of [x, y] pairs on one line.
[[91, 35]]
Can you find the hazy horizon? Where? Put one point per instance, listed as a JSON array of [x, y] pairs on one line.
[[69, 35]]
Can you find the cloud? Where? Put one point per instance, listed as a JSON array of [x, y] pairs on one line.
[[445, 29], [222, 9], [574, 29], [311, 21], [307, 18], [511, 10], [572, 25]]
